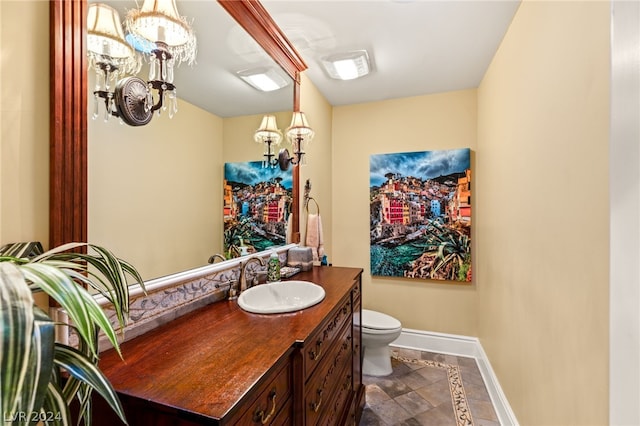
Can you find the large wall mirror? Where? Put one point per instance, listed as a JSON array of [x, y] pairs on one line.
[[157, 189]]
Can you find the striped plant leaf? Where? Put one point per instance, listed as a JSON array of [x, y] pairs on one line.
[[83, 369], [27, 356], [81, 307], [41, 360], [16, 323], [31, 363], [107, 274], [55, 404]]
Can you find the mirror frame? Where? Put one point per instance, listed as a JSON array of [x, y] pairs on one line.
[[68, 107]]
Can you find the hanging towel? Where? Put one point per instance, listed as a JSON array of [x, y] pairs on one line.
[[314, 237], [289, 230]]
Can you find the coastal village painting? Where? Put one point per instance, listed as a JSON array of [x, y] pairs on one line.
[[420, 215], [256, 205]]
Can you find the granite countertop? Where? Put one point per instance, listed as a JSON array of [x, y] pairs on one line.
[[204, 362]]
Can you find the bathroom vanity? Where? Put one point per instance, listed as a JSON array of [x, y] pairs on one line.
[[222, 365]]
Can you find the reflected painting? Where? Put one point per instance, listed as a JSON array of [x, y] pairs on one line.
[[256, 207], [420, 215]]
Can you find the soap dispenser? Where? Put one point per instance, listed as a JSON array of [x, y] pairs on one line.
[[273, 268]]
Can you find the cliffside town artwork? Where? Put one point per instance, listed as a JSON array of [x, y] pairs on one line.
[[256, 205], [420, 204]]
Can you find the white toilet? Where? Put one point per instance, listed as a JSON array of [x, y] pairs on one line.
[[378, 330]]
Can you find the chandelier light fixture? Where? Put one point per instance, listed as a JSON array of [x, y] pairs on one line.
[[268, 134], [159, 32], [298, 134], [159, 23], [109, 54]]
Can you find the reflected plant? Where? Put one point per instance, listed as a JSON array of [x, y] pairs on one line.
[[235, 234]]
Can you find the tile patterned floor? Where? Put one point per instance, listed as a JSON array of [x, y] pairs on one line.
[[428, 389]]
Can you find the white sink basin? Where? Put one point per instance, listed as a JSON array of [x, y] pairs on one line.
[[281, 297]]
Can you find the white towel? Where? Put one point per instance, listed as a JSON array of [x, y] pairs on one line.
[[314, 237], [289, 229]]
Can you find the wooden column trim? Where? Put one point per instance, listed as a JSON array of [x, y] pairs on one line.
[[255, 19], [68, 123], [296, 169]]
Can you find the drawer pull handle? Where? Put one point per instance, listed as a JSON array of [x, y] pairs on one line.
[[347, 383], [315, 355], [315, 406], [259, 415]]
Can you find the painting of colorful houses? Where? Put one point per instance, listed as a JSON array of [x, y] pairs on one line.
[[256, 206], [420, 210]]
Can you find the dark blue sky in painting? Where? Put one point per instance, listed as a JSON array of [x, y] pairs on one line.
[[423, 165], [252, 173]]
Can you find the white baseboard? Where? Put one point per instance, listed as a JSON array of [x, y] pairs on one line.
[[461, 346]]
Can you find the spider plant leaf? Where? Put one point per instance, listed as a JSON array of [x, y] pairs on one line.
[[81, 367], [40, 360], [59, 249], [16, 323], [81, 307], [28, 335], [101, 271], [84, 398], [57, 406]]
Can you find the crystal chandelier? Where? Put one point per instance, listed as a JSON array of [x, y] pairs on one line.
[[298, 133], [158, 31], [158, 24], [109, 54], [268, 134]]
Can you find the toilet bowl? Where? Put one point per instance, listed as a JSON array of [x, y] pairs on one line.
[[378, 330]]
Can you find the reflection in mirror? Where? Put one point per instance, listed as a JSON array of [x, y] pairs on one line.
[[155, 192]]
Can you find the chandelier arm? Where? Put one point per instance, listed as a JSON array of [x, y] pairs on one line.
[[161, 87], [108, 96]]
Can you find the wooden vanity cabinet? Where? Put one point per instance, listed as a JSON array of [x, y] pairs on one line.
[[222, 366], [327, 368], [270, 402], [355, 409]]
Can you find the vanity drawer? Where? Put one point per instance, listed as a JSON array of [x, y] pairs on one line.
[[339, 398], [319, 343], [324, 382], [272, 406], [356, 291]]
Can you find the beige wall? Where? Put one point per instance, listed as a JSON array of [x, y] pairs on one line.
[[542, 213], [434, 122], [238, 137], [155, 192], [319, 162], [24, 121]]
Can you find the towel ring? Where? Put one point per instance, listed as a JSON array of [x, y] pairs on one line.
[[306, 205]]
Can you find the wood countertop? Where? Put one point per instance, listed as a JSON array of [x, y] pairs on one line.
[[204, 362]]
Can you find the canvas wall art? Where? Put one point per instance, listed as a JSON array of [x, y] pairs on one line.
[[420, 215], [256, 207]]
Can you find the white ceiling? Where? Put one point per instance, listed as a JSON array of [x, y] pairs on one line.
[[417, 47]]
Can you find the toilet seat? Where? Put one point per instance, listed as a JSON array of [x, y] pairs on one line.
[[377, 322]]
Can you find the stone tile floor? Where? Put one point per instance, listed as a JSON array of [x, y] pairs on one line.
[[428, 388]]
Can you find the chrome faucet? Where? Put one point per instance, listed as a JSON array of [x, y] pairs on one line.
[[242, 284], [213, 258]]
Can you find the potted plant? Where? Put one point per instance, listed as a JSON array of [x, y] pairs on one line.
[[39, 377]]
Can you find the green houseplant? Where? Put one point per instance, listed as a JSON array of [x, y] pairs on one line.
[[39, 377]]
